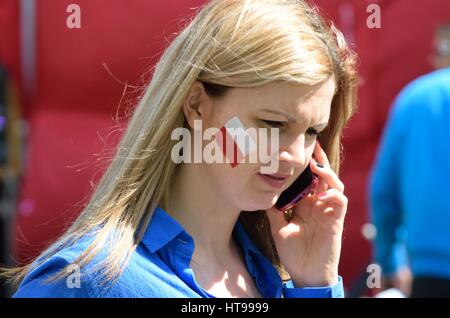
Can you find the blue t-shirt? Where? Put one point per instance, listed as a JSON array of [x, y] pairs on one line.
[[409, 185], [159, 267]]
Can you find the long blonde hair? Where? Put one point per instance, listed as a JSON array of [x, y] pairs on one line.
[[228, 43]]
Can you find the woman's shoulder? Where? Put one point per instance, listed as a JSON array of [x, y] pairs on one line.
[[145, 275], [41, 281]]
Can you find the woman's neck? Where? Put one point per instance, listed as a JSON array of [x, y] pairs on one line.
[[203, 213]]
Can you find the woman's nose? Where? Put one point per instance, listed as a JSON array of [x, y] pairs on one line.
[[294, 153]]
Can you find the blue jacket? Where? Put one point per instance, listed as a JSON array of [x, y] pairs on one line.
[[410, 181], [159, 268]]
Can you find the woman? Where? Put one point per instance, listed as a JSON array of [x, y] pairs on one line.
[[157, 228]]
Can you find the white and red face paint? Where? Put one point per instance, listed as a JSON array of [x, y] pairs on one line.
[[234, 141]]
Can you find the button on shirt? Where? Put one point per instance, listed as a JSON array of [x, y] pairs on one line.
[[160, 267]]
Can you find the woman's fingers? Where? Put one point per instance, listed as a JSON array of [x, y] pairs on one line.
[[322, 184], [338, 202], [328, 176], [334, 196], [320, 154], [320, 157]]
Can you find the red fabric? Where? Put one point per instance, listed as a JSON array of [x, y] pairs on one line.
[[127, 38], [63, 149], [76, 100]]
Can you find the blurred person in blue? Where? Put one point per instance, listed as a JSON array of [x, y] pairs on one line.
[[441, 47], [409, 184]]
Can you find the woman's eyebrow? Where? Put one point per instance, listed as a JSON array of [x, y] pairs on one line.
[[279, 112], [292, 119]]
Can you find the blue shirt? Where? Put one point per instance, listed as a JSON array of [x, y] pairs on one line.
[[160, 268], [409, 188]]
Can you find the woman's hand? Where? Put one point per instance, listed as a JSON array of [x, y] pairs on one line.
[[309, 244]]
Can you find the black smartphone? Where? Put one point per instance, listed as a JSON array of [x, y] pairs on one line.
[[301, 187]]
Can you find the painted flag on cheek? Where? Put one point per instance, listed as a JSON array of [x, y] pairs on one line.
[[234, 141]]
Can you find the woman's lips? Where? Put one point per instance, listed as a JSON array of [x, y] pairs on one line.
[[274, 180]]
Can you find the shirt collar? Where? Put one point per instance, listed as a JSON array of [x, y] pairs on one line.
[[162, 229], [244, 239], [266, 276]]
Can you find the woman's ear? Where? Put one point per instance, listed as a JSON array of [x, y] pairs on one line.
[[196, 103]]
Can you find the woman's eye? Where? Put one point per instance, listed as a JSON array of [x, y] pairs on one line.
[[272, 123], [281, 124], [312, 132]]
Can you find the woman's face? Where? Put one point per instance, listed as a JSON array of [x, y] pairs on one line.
[[299, 112]]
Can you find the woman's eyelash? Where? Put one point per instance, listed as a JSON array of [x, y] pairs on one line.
[[273, 123], [313, 132], [280, 124]]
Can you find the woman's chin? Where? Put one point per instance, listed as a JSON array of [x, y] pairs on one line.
[[263, 201]]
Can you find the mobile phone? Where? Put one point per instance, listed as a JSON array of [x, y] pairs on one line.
[[301, 187]]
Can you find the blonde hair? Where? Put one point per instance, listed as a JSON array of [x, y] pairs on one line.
[[228, 43]]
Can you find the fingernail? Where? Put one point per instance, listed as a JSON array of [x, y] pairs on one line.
[[321, 194], [319, 165]]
